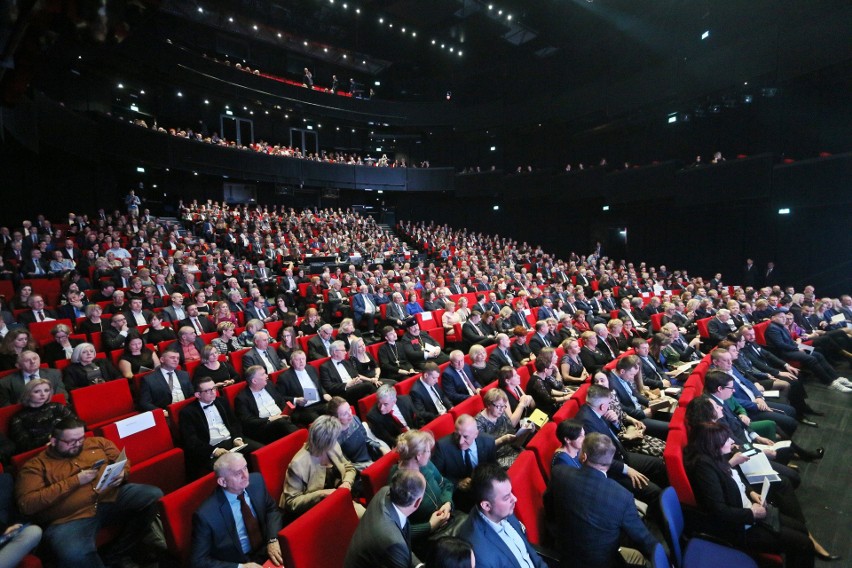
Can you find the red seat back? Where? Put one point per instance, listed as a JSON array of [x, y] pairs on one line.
[[441, 426], [543, 444], [97, 405], [528, 486], [176, 509], [305, 543], [569, 409], [760, 332], [703, 330], [471, 406], [145, 444], [232, 391], [673, 456], [657, 321], [271, 461], [376, 475]]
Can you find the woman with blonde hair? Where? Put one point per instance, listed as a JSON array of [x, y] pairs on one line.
[[33, 425]]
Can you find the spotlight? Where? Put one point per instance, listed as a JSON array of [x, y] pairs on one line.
[[121, 85], [231, 20], [200, 10], [179, 94], [207, 102], [254, 27], [705, 35]]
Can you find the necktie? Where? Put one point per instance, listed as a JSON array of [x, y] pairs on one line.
[[467, 383], [468, 466], [171, 381], [197, 325], [250, 521], [31, 378], [270, 368], [438, 403], [40, 315]]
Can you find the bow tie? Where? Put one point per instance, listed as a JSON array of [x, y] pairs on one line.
[[206, 406]]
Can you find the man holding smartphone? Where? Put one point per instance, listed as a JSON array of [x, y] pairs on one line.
[[57, 489]]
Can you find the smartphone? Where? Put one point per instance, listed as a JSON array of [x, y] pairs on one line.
[[749, 450]]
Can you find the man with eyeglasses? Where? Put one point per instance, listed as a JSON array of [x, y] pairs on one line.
[[57, 489]]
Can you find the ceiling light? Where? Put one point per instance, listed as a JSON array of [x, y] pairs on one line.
[[179, 94], [403, 30], [254, 27], [306, 44], [442, 46], [390, 25], [325, 49], [433, 42], [509, 17], [266, 112], [705, 35], [142, 92], [344, 56], [206, 102], [491, 6], [413, 34], [381, 20], [357, 10], [200, 10], [451, 49], [460, 53], [279, 34], [121, 85], [231, 20], [500, 13]]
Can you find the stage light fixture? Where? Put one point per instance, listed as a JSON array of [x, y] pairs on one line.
[[705, 35]]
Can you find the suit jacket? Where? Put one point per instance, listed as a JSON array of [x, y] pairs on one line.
[[207, 326], [779, 340], [449, 460], [588, 513], [625, 400], [12, 386], [396, 311], [719, 497], [385, 428], [316, 349], [424, 407], [112, 339], [196, 433], [290, 388], [306, 479], [215, 543], [154, 391], [594, 423], [67, 312], [537, 344], [253, 313], [359, 305], [518, 319], [593, 360], [131, 321], [379, 540], [245, 408], [718, 329], [170, 316], [253, 357], [453, 384], [54, 352], [331, 380], [498, 359], [489, 548], [28, 317]]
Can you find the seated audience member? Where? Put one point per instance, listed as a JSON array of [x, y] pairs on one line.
[[631, 431], [288, 343], [246, 338], [62, 345], [55, 489], [381, 538], [483, 372], [319, 346], [357, 442], [259, 408], [85, 369], [392, 415], [29, 368], [451, 552], [435, 516], [32, 426], [301, 387], [570, 435], [540, 339], [458, 454], [240, 502], [642, 475], [428, 397], [571, 366], [16, 342], [222, 372], [622, 382], [780, 342], [165, 385], [735, 510], [520, 350], [262, 354], [497, 537], [496, 421], [509, 381], [421, 347], [364, 363], [136, 358], [22, 538], [226, 342], [593, 358], [392, 360], [115, 336], [653, 373], [339, 377], [457, 380], [311, 323], [545, 385], [157, 332], [37, 311], [365, 306], [318, 469], [502, 355], [188, 345], [589, 512], [209, 429]]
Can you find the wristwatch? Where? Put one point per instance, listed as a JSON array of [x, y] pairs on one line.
[[272, 541]]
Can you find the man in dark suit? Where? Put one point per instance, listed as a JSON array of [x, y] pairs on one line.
[[365, 306], [74, 308], [383, 536], [175, 311], [474, 334], [749, 278], [457, 455], [589, 512], [29, 363], [339, 377], [770, 275], [495, 505], [395, 314], [319, 346], [428, 398], [263, 355], [200, 323], [621, 380], [518, 318], [641, 475], [115, 336], [136, 315], [259, 408], [421, 347], [539, 339], [720, 326], [779, 340], [501, 356], [165, 384], [457, 380], [392, 359], [239, 523], [300, 386], [209, 429], [392, 415], [37, 311]]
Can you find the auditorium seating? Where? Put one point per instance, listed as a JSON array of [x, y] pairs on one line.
[[176, 510], [271, 461], [528, 485], [376, 475], [543, 444], [98, 405]]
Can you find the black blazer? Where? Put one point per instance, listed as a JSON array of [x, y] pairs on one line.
[[449, 460], [594, 423], [389, 363], [498, 359], [53, 351], [593, 361], [718, 496], [154, 391], [423, 405], [74, 376], [206, 325], [316, 349], [385, 428], [537, 344], [245, 408], [290, 388], [196, 434]]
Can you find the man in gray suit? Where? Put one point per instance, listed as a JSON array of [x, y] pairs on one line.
[[263, 355], [12, 386], [383, 536]]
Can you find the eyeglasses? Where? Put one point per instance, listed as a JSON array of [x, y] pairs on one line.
[[73, 442], [205, 391], [728, 388]]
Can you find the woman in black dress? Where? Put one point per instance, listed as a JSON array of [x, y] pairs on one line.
[[86, 370], [32, 427], [483, 372], [223, 373], [93, 322], [509, 381], [158, 332], [136, 357], [520, 349], [347, 332], [62, 345], [361, 358]]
